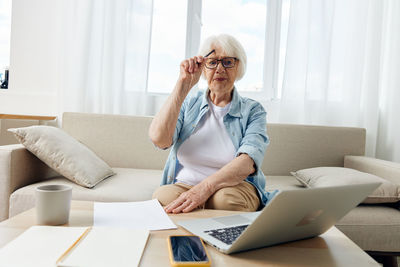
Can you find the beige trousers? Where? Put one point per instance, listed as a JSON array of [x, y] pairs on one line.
[[242, 197]]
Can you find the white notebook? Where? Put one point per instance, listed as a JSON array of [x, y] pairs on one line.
[[43, 245]]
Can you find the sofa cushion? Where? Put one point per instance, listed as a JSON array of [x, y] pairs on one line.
[[121, 140], [126, 185], [64, 154], [373, 227], [282, 183], [387, 192]]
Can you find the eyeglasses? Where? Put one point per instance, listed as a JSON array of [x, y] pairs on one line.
[[227, 62]]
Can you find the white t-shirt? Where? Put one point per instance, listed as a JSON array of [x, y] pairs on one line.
[[207, 150]]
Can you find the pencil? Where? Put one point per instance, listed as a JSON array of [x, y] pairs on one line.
[[73, 245], [212, 51]]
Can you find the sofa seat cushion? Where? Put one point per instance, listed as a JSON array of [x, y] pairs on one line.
[[127, 185], [373, 227]]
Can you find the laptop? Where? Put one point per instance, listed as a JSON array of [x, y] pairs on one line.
[[290, 215]]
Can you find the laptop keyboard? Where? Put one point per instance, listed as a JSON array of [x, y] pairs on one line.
[[227, 235]]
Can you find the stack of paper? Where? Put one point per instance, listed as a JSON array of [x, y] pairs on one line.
[[43, 245]]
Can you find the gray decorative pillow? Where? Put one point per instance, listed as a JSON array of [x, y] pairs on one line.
[[387, 192], [64, 154]]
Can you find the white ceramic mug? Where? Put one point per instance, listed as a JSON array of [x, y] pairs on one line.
[[53, 204]]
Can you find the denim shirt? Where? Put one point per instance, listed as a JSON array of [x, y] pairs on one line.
[[246, 126]]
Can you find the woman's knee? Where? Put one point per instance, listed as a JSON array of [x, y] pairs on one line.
[[167, 193], [230, 198], [224, 199]]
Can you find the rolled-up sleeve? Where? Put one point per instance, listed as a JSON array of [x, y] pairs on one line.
[[255, 139], [179, 122]]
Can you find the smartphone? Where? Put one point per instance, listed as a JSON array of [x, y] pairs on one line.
[[187, 250]]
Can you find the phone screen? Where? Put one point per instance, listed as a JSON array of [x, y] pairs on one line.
[[188, 248]]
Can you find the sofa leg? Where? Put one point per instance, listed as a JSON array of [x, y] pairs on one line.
[[386, 260], [389, 261]]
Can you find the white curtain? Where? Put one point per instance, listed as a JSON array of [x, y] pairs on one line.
[[104, 62], [388, 145], [337, 66], [341, 64]]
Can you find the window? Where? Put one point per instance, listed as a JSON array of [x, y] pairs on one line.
[[247, 20], [5, 30], [167, 44], [284, 19]]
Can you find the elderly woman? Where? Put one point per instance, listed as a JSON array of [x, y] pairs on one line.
[[218, 138]]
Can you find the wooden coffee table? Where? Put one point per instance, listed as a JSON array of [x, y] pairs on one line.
[[330, 249]]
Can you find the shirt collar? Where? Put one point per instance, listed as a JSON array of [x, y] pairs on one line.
[[234, 110]]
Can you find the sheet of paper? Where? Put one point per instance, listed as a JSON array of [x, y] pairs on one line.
[[147, 215], [39, 246], [105, 247]]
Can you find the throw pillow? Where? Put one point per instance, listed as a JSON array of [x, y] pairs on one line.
[[64, 154], [387, 192]]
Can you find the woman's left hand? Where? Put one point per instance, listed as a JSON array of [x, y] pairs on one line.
[[189, 200]]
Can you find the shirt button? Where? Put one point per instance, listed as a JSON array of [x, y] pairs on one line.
[[194, 125], [233, 133], [173, 158]]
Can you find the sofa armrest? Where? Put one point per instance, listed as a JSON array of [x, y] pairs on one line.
[[385, 169], [18, 168]]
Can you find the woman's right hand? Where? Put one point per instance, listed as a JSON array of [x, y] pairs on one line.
[[190, 71]]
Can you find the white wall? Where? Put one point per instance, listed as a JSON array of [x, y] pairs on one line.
[[34, 58]]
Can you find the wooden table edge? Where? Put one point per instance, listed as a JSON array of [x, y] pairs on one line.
[[27, 117]]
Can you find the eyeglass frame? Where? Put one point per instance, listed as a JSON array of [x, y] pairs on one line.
[[220, 60]]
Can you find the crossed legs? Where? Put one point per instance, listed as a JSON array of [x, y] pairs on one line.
[[242, 197]]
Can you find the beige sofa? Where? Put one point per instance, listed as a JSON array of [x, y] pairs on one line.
[[123, 143]]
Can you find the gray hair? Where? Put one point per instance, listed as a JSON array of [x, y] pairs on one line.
[[230, 46]]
